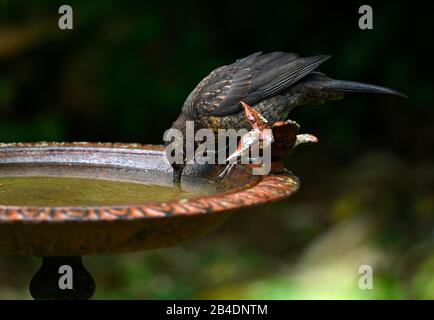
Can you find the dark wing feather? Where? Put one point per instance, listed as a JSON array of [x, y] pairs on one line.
[[250, 79], [281, 77]]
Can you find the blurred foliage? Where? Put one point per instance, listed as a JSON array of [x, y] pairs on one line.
[[367, 193]]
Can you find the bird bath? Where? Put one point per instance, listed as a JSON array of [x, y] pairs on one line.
[[60, 201]]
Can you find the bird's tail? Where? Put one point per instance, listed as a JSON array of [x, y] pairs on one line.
[[351, 86]]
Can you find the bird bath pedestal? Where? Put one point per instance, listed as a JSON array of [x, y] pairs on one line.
[[62, 234]]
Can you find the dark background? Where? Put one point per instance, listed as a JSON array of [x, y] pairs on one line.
[[367, 193]]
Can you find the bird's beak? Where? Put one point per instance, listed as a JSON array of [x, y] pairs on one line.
[[177, 173]]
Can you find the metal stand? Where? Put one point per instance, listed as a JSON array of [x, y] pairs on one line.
[[62, 278]]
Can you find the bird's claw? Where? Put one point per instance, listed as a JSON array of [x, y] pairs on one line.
[[226, 172]]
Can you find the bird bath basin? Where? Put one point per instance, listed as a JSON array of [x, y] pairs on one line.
[[60, 201]]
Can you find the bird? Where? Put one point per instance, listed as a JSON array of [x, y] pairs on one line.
[[271, 83]]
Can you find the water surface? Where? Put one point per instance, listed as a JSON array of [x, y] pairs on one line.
[[72, 191]]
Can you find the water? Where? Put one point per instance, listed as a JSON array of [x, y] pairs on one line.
[[66, 191]]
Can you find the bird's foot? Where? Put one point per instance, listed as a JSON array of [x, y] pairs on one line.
[[226, 172]]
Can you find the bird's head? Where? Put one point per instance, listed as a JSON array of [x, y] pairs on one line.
[[175, 146]]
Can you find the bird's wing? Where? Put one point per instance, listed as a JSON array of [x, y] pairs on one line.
[[251, 79]]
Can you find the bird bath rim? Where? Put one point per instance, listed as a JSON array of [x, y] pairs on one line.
[[261, 189]]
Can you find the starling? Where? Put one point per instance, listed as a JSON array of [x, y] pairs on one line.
[[272, 83]]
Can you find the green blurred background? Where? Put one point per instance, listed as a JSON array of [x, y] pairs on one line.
[[367, 195]]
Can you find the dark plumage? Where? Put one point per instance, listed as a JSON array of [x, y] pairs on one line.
[[272, 83]]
